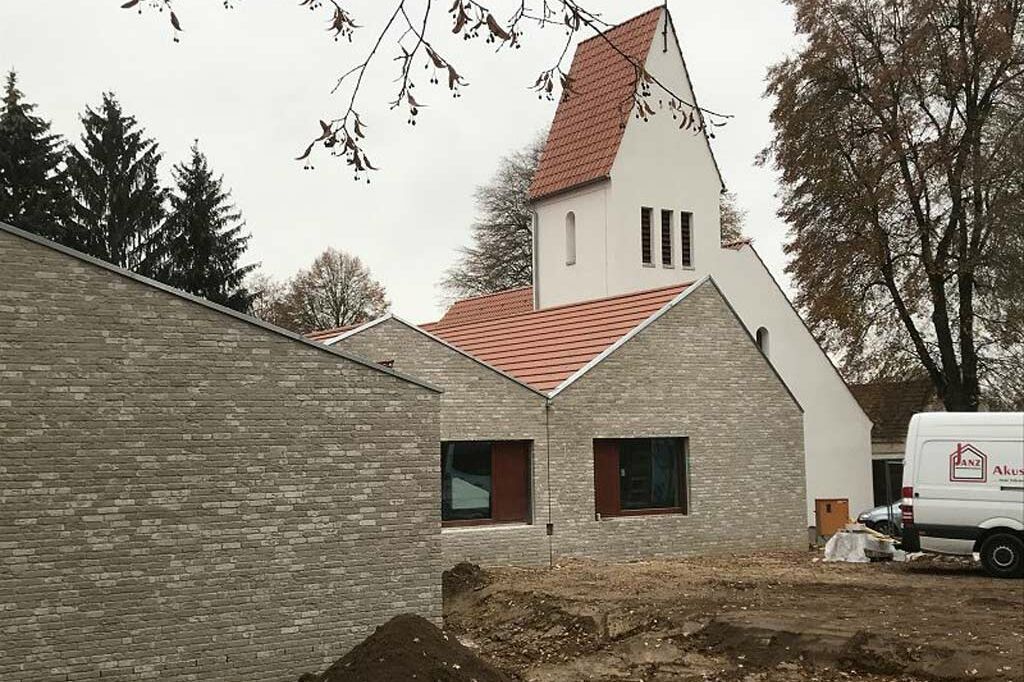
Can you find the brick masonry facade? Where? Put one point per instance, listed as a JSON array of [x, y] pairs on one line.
[[477, 404], [185, 495], [694, 373]]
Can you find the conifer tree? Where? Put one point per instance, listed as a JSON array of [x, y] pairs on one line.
[[117, 208], [33, 195], [203, 240]]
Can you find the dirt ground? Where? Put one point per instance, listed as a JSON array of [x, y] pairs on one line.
[[785, 616]]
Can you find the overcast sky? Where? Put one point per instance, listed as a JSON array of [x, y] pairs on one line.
[[250, 83]]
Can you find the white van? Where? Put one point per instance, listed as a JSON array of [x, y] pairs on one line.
[[963, 487]]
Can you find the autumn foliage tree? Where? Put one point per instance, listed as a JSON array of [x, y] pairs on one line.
[[900, 138]]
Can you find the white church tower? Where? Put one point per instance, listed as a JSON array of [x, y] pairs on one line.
[[623, 204]]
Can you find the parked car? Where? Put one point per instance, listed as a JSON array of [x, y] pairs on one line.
[[963, 487], [885, 519]]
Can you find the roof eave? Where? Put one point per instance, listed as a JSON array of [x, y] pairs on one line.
[[586, 184]]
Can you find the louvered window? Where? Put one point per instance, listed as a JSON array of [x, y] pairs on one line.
[[666, 238], [686, 239], [646, 238]]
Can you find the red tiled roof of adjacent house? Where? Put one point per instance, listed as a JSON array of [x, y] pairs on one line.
[[543, 348], [590, 120], [324, 334], [891, 404], [489, 306]]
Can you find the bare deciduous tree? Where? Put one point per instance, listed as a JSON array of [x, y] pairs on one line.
[[408, 34], [899, 134]]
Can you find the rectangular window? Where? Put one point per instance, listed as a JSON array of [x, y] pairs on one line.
[[686, 239], [666, 238], [485, 482], [640, 476], [645, 236]]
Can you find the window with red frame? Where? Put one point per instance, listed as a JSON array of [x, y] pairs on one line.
[[640, 476], [485, 482]]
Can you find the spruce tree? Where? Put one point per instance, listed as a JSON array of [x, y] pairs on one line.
[[204, 237], [117, 208], [32, 191]]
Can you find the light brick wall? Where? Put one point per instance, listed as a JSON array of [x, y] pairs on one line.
[[477, 404], [187, 496], [694, 373]]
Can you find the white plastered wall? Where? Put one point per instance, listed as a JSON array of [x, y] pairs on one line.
[[658, 166], [837, 433]]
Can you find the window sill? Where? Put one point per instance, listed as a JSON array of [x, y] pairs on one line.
[[462, 527], [648, 265], [668, 267], [643, 513]]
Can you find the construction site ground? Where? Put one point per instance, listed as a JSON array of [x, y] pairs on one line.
[[753, 618]]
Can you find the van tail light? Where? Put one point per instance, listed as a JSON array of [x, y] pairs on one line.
[[907, 506]]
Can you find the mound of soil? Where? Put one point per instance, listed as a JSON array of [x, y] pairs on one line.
[[409, 647], [462, 578]]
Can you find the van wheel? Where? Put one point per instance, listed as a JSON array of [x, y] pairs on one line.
[[1002, 555]]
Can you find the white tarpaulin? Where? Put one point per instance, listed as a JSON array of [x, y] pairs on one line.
[[857, 547]]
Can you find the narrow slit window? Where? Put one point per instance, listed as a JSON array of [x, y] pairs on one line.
[[645, 236], [686, 239], [666, 238], [570, 238]]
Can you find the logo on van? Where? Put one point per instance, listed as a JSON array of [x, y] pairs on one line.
[[968, 463]]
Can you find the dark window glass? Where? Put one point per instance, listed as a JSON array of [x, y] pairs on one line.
[[638, 474], [666, 238], [649, 473], [686, 239], [645, 236], [485, 481], [466, 481]]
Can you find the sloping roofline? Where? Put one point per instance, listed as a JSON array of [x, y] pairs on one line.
[[706, 279], [391, 316], [600, 357], [78, 255], [670, 27], [739, 247]]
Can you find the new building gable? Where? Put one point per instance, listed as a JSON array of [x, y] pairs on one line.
[[127, 274], [548, 350]]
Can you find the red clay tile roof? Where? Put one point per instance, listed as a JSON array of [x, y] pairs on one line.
[[325, 334], [891, 404], [543, 348], [489, 306], [590, 120]]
